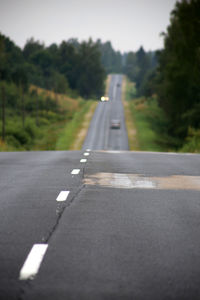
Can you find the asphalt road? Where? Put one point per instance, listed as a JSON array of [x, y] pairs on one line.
[[100, 136], [128, 228]]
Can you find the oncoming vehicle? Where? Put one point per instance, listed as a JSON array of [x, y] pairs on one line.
[[115, 124], [104, 98]]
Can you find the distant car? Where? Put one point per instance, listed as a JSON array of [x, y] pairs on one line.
[[115, 124], [104, 98]]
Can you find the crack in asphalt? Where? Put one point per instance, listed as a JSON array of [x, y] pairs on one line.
[[61, 211], [61, 207]]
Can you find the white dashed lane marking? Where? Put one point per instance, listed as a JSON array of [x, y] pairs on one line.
[[83, 160], [32, 264], [62, 196], [86, 154], [75, 171]]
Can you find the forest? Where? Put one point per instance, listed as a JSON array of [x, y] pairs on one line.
[[170, 76], [171, 79]]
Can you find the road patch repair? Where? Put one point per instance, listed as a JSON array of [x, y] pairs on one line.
[[138, 181]]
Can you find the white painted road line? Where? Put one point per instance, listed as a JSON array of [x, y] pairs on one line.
[[86, 154], [32, 264], [88, 150], [83, 160], [75, 171], [62, 196]]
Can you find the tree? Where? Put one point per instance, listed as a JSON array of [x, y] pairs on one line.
[[110, 59], [91, 75], [143, 64], [179, 79], [21, 80], [31, 48], [2, 74], [131, 68]]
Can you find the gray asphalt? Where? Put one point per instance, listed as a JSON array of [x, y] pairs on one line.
[[29, 185], [104, 242], [100, 136]]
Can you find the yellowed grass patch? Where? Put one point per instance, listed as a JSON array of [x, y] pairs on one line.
[[64, 101]]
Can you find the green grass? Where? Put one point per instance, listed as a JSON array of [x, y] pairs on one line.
[[192, 141], [149, 121], [130, 90], [69, 133], [59, 120], [50, 135], [150, 124]]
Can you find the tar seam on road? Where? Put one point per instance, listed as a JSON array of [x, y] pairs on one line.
[[28, 282], [61, 212], [46, 241]]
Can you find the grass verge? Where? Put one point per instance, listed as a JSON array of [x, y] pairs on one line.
[[78, 142], [74, 133], [130, 126], [149, 122], [67, 139]]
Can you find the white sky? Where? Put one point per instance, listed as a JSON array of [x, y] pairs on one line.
[[128, 24]]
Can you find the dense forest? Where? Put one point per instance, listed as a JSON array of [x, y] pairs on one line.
[[178, 78], [67, 68]]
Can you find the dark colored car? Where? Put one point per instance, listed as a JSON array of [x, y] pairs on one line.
[[115, 124]]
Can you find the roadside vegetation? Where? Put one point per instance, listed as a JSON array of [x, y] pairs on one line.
[[51, 120], [164, 93], [45, 91], [146, 121], [67, 139], [128, 91]]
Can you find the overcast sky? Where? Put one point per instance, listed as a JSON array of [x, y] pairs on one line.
[[128, 24]]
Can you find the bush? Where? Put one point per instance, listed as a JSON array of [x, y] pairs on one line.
[[12, 141], [31, 128], [192, 143]]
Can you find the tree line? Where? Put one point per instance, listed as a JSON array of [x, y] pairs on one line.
[[178, 74], [70, 67], [172, 75]]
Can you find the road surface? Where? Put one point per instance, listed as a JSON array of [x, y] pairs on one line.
[[100, 136], [95, 225]]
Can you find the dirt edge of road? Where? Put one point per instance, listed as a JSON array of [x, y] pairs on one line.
[[77, 145], [131, 130]]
